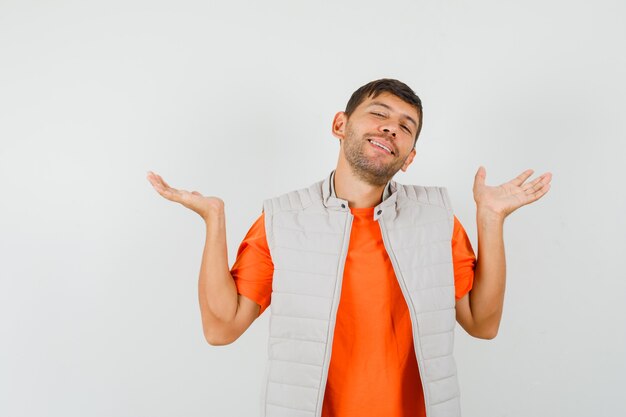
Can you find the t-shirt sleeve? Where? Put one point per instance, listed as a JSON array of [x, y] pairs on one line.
[[463, 259], [253, 269]]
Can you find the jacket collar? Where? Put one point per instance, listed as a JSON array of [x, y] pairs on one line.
[[330, 199]]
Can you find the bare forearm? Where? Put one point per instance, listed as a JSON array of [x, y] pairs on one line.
[[480, 312], [217, 291], [487, 294]]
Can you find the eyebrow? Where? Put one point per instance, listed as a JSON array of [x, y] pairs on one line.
[[378, 103]]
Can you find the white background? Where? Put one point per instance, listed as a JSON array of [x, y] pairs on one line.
[[98, 274]]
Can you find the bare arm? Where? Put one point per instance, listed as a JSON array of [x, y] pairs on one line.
[[480, 311], [225, 313]]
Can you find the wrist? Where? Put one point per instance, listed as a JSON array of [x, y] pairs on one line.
[[485, 214], [214, 215]]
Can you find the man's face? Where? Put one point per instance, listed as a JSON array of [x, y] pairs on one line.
[[377, 140]]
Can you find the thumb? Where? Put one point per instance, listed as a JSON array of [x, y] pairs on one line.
[[480, 177]]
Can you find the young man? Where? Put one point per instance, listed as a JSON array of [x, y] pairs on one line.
[[366, 276]]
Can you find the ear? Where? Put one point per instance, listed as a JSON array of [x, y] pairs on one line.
[[339, 125], [408, 160]]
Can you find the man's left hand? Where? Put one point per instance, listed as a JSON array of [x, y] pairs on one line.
[[504, 199]]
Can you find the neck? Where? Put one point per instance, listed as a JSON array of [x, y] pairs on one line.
[[358, 193]]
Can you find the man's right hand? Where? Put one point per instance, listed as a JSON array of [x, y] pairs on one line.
[[204, 206], [226, 314]]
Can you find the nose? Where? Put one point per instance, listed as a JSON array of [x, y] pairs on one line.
[[387, 131]]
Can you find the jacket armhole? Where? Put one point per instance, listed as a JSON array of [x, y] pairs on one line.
[[268, 219], [448, 206]]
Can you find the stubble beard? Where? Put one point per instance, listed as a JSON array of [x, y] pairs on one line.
[[364, 167]]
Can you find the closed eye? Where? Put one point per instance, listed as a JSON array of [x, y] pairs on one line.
[[403, 126]]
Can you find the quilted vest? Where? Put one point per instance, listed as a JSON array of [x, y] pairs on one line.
[[308, 231]]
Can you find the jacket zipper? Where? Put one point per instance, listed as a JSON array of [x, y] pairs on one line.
[[409, 304], [331, 325]]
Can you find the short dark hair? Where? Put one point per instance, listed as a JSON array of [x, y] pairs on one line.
[[389, 85]]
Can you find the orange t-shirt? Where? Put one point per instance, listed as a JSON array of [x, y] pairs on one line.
[[373, 369]]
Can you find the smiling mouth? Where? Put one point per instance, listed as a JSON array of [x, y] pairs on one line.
[[380, 145]]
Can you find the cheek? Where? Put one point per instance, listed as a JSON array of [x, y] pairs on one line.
[[366, 126]]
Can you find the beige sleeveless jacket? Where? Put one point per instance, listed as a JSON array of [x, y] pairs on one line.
[[308, 232]]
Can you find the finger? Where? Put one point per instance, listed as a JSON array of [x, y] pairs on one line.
[[539, 193], [519, 180], [481, 176], [156, 184], [163, 181], [151, 177], [547, 177], [538, 190], [537, 183], [531, 186], [168, 192]]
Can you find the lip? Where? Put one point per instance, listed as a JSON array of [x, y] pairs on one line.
[[382, 142]]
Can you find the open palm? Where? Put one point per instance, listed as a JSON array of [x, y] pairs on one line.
[[508, 197], [192, 200]]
